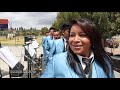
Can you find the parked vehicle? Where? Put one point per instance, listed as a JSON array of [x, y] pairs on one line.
[[112, 43]]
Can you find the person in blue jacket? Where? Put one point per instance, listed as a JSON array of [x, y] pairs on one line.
[[43, 46], [65, 30], [85, 57], [49, 42], [58, 44], [65, 33]]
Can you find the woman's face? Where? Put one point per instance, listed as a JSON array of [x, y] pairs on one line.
[[79, 42]]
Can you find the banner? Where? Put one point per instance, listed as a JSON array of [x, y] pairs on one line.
[[3, 23]]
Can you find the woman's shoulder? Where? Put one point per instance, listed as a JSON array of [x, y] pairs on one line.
[[61, 57]]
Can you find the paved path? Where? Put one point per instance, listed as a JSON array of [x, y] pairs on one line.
[[19, 52]]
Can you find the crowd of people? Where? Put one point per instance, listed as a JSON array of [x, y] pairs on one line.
[[75, 51]]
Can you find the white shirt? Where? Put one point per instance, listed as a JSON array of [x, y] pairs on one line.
[[65, 42], [83, 64]]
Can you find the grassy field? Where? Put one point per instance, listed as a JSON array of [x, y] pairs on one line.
[[118, 40], [19, 40]]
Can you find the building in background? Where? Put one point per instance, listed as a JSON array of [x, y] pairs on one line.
[[3, 24]]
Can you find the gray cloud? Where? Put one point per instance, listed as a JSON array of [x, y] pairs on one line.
[[29, 19]]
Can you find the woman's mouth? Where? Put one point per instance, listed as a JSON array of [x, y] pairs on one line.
[[77, 46]]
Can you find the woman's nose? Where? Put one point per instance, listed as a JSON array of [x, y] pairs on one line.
[[77, 38]]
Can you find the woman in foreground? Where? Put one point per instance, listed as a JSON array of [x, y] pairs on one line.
[[85, 57]]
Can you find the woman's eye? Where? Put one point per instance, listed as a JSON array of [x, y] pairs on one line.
[[71, 35], [83, 35]]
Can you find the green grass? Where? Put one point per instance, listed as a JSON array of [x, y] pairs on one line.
[[17, 41], [118, 40], [39, 39]]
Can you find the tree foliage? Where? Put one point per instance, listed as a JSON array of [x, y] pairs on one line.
[[108, 23], [44, 30]]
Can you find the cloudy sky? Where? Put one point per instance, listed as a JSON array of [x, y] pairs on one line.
[[26, 20]]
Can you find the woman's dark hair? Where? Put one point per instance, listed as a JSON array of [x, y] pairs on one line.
[[96, 45]]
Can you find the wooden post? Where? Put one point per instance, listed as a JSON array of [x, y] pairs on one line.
[[0, 45]]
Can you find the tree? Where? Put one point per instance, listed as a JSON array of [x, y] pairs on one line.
[[44, 30], [63, 17], [108, 23]]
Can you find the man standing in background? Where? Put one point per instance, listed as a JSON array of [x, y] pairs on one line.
[[65, 33], [49, 42]]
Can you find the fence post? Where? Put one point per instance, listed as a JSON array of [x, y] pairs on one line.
[[0, 45]]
